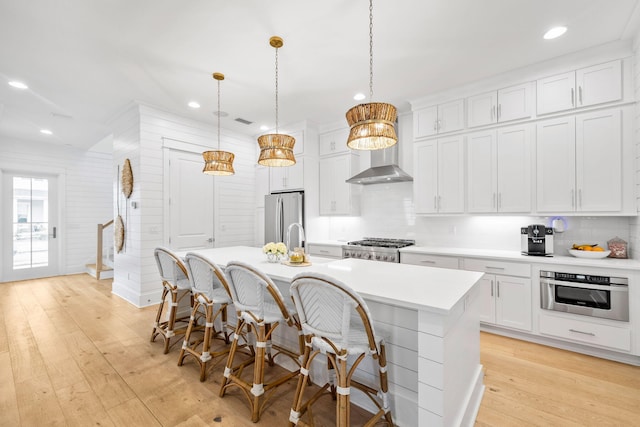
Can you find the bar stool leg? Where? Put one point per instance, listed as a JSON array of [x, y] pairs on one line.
[[342, 408], [187, 335], [258, 371], [303, 380], [156, 327], [232, 352], [206, 345], [384, 385], [173, 307]]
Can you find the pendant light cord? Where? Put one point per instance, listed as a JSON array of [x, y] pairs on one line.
[[370, 50], [218, 115], [276, 90]]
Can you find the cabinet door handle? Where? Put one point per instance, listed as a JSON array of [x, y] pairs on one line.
[[323, 251], [492, 288], [435, 125], [493, 112], [591, 334], [435, 203], [498, 288], [494, 201], [489, 267], [440, 125], [573, 103], [580, 94], [499, 200], [427, 261], [439, 203], [499, 111]]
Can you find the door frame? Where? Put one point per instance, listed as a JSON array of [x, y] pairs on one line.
[[29, 170]]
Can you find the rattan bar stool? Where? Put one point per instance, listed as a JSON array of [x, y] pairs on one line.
[[175, 286], [211, 292], [336, 322], [261, 309]]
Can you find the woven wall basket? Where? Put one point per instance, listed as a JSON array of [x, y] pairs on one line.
[[118, 238], [127, 179]]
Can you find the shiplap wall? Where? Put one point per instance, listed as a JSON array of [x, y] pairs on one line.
[[141, 135], [86, 197]]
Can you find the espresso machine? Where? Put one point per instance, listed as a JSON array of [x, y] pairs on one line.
[[536, 239]]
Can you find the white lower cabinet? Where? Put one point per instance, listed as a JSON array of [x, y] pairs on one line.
[[505, 298], [324, 250], [429, 260], [591, 332]]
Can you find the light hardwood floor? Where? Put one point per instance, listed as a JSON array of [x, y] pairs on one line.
[[73, 354]]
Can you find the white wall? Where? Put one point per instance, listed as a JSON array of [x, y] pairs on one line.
[[139, 134], [86, 195]]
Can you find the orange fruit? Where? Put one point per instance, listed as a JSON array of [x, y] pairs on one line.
[[597, 249], [588, 248]]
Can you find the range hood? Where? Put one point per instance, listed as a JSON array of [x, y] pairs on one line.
[[384, 169]]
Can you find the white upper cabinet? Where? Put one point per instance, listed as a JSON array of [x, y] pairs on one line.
[[298, 148], [579, 163], [512, 103], [499, 171], [288, 177], [587, 86], [334, 142], [336, 196], [438, 175], [438, 119]]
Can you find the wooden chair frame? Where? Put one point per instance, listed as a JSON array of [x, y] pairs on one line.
[[258, 392], [166, 329], [339, 386]]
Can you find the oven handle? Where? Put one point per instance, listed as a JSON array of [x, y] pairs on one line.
[[612, 287]]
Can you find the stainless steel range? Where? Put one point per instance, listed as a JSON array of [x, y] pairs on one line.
[[376, 249]]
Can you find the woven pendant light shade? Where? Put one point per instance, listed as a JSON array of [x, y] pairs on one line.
[[372, 126], [218, 163], [276, 149]]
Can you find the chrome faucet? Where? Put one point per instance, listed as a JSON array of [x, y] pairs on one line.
[[301, 237]]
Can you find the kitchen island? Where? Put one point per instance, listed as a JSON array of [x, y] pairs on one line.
[[429, 319]]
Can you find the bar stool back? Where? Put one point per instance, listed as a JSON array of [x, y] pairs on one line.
[[210, 289], [336, 321], [175, 286], [261, 308]]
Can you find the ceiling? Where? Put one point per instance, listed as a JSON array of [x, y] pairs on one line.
[[85, 61]]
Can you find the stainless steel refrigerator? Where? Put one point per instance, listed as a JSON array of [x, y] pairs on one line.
[[280, 211]]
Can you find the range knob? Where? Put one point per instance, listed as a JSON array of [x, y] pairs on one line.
[[385, 258], [378, 257], [346, 255], [358, 255], [367, 256]]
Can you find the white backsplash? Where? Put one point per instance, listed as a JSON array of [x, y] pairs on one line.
[[387, 211]]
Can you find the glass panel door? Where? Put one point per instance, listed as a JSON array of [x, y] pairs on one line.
[[31, 204]]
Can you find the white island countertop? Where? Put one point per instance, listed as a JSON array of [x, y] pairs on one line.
[[429, 318], [417, 287]]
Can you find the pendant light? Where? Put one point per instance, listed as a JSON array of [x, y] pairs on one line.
[[372, 124], [276, 149], [218, 162]]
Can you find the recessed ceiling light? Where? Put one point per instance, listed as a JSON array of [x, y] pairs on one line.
[[264, 127], [194, 104], [359, 96], [46, 131], [554, 32], [18, 85]]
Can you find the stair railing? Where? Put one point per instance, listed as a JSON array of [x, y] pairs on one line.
[[99, 263]]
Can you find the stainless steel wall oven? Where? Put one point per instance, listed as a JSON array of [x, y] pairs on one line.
[[587, 295]]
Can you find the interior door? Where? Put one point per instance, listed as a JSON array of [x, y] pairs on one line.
[[191, 221], [30, 226]]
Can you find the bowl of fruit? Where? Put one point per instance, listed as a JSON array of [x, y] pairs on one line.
[[589, 251]]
